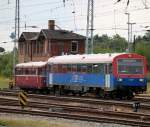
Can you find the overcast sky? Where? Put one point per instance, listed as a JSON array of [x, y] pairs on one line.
[[109, 16]]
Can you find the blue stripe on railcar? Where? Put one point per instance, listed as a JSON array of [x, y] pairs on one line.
[[134, 82], [90, 80]]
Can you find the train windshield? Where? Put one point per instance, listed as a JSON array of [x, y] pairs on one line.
[[130, 66]]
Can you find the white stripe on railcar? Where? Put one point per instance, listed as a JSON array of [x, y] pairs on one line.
[[86, 58], [31, 64]]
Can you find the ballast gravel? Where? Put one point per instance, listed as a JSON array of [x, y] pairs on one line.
[[62, 122]]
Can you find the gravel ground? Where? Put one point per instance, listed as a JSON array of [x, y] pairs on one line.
[[63, 122]]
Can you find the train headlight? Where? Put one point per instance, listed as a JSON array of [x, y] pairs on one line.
[[141, 80], [119, 79]]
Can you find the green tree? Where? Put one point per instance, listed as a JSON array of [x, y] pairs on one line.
[[2, 49], [6, 64], [118, 43], [105, 43], [143, 47]]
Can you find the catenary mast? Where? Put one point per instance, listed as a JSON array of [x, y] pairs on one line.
[[89, 27], [17, 31]]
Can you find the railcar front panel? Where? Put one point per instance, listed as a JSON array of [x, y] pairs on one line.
[[130, 71]]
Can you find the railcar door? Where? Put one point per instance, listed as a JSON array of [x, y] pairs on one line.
[[107, 72]]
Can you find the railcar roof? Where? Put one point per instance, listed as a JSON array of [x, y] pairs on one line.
[[32, 64], [86, 58]]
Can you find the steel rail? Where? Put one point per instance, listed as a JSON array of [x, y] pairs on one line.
[[84, 111]]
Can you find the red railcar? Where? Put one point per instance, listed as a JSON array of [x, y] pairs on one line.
[[31, 75]]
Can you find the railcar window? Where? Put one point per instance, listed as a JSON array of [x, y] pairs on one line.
[[59, 68], [84, 68], [49, 68], [33, 72], [95, 68], [89, 68], [74, 68], [64, 68], [43, 71], [26, 71], [39, 71], [98, 68], [23, 71], [68, 68], [109, 68], [55, 68], [18, 71], [130, 66], [79, 67]]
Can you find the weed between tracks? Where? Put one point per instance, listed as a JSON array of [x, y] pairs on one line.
[[148, 88], [4, 82], [8, 122]]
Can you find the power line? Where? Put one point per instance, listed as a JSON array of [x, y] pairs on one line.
[[40, 4], [74, 14], [145, 3]]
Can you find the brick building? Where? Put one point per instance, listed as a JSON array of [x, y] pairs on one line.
[[39, 46]]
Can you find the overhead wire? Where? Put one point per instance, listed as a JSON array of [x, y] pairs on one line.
[[72, 19], [60, 7], [40, 4], [74, 14]]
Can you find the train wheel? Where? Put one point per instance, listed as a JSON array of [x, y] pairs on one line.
[[130, 95], [113, 94], [37, 91], [62, 90], [100, 93], [54, 89], [80, 93], [119, 94]]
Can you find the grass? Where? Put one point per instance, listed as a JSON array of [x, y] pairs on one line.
[[148, 88], [4, 82], [10, 122]]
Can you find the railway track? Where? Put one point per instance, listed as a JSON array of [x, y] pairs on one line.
[[78, 113], [54, 106], [143, 98], [136, 121], [118, 105]]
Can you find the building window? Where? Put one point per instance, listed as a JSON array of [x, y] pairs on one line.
[[40, 48], [21, 48], [74, 46]]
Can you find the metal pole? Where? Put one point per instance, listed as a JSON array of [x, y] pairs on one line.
[[131, 38], [87, 30], [14, 52], [89, 27], [128, 30], [18, 19], [92, 24], [17, 32]]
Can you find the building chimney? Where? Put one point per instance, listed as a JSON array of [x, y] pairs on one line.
[[51, 24]]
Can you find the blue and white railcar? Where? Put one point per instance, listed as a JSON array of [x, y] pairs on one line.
[[101, 72]]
